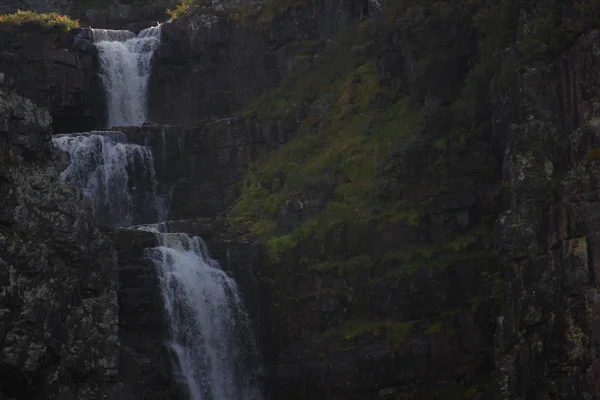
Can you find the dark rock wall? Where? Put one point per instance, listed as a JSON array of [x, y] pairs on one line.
[[436, 335], [211, 65], [515, 320], [50, 70], [144, 361], [200, 169], [490, 292], [546, 337], [44, 6], [133, 15], [58, 273]]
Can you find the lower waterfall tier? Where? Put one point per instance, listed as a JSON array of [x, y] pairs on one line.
[[172, 288]]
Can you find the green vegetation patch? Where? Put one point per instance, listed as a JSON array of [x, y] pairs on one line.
[[257, 16], [396, 332], [185, 8], [263, 17], [43, 21], [335, 153]]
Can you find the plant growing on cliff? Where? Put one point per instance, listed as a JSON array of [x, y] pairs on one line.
[[185, 8], [44, 21]]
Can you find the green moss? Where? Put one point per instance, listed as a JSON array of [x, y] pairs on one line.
[[251, 16], [410, 252], [396, 332], [345, 266], [594, 154], [43, 21], [440, 144], [468, 240], [353, 137], [410, 213], [185, 8], [279, 245], [421, 257], [274, 9], [435, 328]]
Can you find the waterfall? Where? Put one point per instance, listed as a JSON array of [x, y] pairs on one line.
[[125, 62], [102, 163], [211, 339], [111, 35]]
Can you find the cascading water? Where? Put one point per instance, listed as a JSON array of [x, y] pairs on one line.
[[125, 62], [111, 35], [211, 337], [211, 340], [102, 164]]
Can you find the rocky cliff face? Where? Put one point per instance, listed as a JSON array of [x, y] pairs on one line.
[[43, 6], [50, 69], [547, 238], [472, 273], [214, 64], [144, 361], [408, 218], [58, 274]]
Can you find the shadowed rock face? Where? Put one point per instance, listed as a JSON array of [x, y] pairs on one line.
[[58, 275], [548, 235], [516, 322], [199, 169], [208, 66], [533, 181], [145, 361], [54, 72], [43, 6]]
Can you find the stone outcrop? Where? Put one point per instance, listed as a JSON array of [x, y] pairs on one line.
[[43, 6], [547, 333], [212, 64], [54, 72], [122, 14], [58, 273]]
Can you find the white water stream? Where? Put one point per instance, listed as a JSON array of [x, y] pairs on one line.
[[113, 173], [211, 338], [126, 63]]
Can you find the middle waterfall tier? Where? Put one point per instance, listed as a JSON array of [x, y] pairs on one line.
[[118, 177]]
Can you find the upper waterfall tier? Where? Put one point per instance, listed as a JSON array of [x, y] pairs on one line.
[[111, 35], [125, 61]]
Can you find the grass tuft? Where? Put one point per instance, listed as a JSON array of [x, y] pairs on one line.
[[43, 21]]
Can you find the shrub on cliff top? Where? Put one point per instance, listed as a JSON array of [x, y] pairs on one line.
[[39, 20], [186, 8]]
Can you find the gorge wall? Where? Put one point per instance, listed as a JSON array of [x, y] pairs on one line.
[[43, 6], [410, 215], [58, 279]]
